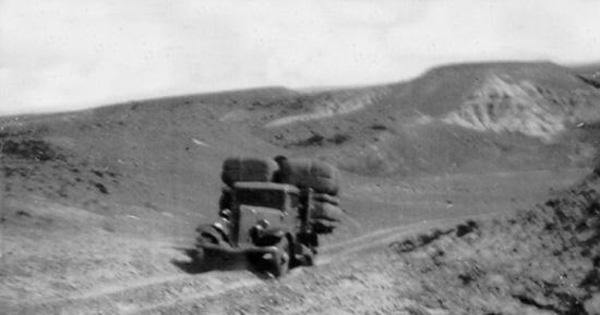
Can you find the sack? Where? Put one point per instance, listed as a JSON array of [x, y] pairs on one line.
[[226, 198], [322, 177], [324, 226], [327, 211], [327, 198], [248, 169]]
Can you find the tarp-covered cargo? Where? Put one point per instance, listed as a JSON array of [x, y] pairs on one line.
[[248, 169], [226, 198], [327, 211], [327, 198], [324, 226], [321, 176]]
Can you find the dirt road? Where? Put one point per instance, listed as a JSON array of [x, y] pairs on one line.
[[59, 268], [176, 293]]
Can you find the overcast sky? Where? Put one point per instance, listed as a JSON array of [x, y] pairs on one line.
[[71, 54]]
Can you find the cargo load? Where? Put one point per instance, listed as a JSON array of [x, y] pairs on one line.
[[324, 226], [225, 201], [327, 211], [327, 198], [248, 169], [321, 176]]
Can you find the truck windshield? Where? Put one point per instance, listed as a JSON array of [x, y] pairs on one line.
[[262, 198]]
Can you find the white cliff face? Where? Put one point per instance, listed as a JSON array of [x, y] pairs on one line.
[[502, 106]]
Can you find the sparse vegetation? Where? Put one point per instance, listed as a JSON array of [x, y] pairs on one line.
[[30, 149], [591, 80], [319, 140], [379, 127], [543, 259]]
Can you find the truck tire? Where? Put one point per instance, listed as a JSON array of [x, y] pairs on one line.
[[281, 262], [209, 258], [308, 257]]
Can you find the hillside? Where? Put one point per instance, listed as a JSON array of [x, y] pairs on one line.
[[542, 260], [101, 204], [454, 119], [164, 154]]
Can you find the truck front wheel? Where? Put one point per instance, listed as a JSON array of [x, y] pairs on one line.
[[281, 261]]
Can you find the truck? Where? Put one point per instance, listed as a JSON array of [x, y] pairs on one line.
[[273, 212]]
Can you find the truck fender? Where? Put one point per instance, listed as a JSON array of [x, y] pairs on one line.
[[276, 233], [208, 232]]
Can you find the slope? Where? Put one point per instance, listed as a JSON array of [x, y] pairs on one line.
[[100, 197], [459, 118], [162, 156]]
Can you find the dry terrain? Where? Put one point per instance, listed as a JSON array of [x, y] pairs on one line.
[[467, 191]]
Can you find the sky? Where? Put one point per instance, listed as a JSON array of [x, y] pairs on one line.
[[59, 55]]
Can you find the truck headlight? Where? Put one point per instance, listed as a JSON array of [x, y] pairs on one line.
[[263, 224]]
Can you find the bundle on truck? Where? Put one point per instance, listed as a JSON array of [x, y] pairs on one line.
[[274, 209], [319, 176], [248, 169], [323, 179]]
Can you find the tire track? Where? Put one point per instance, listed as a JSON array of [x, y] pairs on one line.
[[331, 253], [383, 237], [141, 294], [162, 294]]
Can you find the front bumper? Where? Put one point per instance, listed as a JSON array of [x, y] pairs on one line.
[[242, 249]]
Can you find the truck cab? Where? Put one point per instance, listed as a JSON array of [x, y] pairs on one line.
[[262, 213]]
